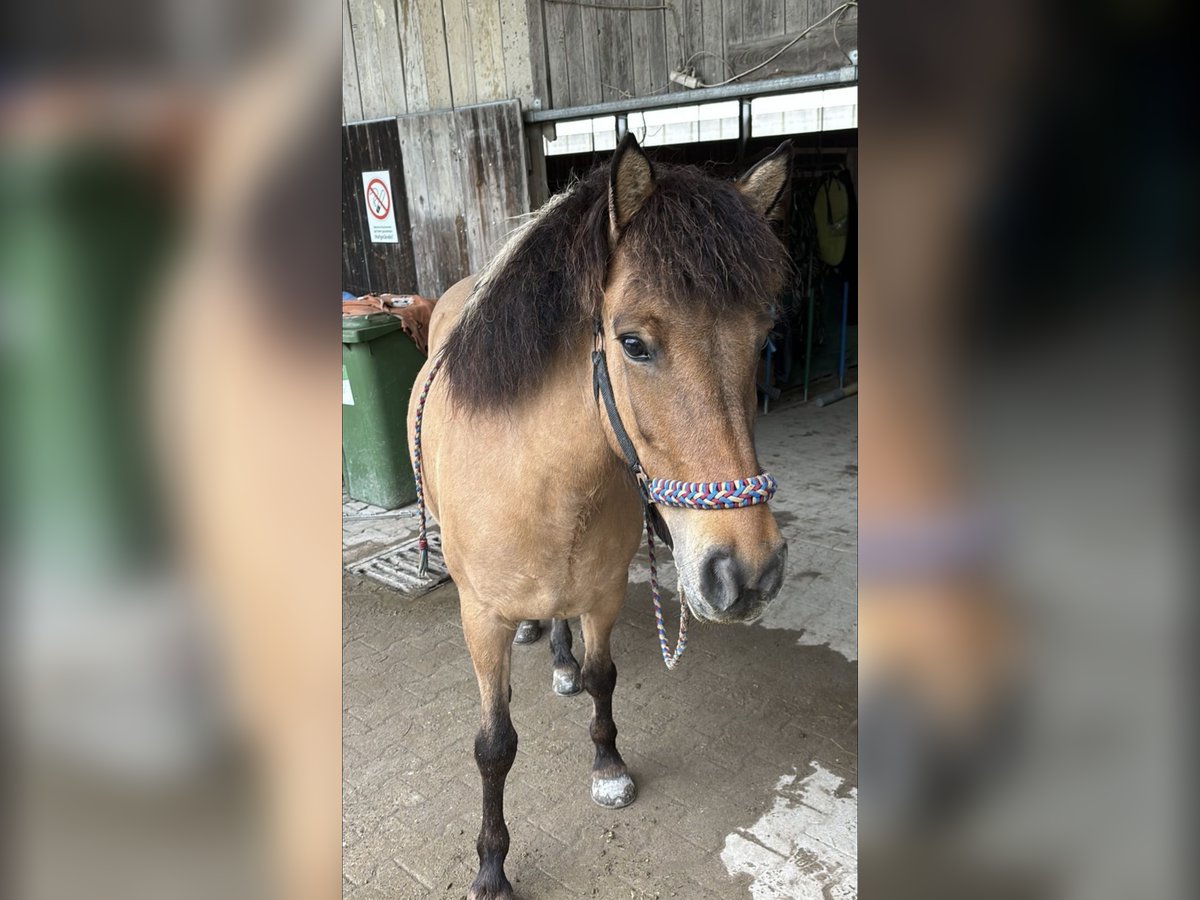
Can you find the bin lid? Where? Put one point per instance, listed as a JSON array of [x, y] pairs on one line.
[[359, 329]]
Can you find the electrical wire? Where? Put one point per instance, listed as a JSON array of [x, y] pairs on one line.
[[687, 62], [836, 42], [608, 7], [586, 4], [835, 12]]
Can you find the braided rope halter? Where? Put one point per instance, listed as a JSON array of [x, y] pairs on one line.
[[735, 494], [693, 495], [418, 468]]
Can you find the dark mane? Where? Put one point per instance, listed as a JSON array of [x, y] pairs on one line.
[[696, 240]]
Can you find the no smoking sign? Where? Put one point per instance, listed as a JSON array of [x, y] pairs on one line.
[[381, 213]]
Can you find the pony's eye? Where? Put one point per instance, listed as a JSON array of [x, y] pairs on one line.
[[634, 348]]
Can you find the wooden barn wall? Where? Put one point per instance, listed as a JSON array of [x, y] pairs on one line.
[[465, 172], [459, 187], [410, 56], [368, 267], [599, 54]]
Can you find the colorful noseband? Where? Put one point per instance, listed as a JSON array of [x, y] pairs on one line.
[[711, 494]]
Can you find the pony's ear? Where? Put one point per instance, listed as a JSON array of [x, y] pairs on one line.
[[630, 182], [766, 184]]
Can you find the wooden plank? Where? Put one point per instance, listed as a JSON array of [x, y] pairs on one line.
[[795, 16], [414, 182], [400, 264], [354, 264], [731, 12], [484, 16], [752, 20], [815, 53], [585, 62], [380, 63], [710, 66], [649, 49], [510, 176], [368, 266], [640, 44], [424, 242], [568, 64], [678, 39], [613, 53], [445, 215], [491, 209], [536, 15], [538, 182], [459, 52], [772, 17], [359, 162], [516, 168], [351, 99], [518, 38], [412, 46], [437, 65], [501, 173], [494, 153], [474, 160], [556, 51]]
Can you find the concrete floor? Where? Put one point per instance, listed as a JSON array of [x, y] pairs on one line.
[[745, 756]]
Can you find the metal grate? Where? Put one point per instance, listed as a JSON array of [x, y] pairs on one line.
[[396, 567]]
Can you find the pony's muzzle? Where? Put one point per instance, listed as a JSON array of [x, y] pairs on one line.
[[736, 591]]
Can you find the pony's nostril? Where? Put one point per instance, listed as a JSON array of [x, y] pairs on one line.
[[771, 579], [720, 579]]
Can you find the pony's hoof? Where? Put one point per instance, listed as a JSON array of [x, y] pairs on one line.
[[486, 891], [567, 682], [474, 894], [613, 793], [528, 632]]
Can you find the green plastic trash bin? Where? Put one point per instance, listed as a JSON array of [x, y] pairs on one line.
[[379, 365]]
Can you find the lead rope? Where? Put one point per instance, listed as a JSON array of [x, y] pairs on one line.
[[422, 537], [671, 659]]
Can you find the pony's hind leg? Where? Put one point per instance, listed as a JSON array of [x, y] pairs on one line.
[[611, 785], [490, 644], [567, 678]]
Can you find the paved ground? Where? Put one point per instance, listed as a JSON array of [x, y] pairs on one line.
[[745, 757]]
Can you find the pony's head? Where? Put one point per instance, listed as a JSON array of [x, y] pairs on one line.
[[695, 268], [681, 271]]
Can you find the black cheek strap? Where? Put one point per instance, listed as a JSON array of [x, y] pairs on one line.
[[602, 389]]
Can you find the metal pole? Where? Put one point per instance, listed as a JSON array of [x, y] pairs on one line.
[[809, 329], [743, 126], [793, 83], [842, 348]]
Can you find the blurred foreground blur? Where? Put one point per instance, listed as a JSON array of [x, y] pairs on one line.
[[1027, 249], [168, 202], [168, 486]]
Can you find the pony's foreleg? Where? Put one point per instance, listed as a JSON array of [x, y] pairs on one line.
[[490, 644], [611, 785], [567, 678]]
